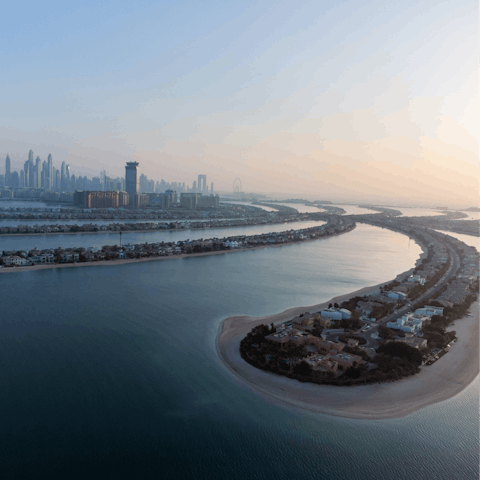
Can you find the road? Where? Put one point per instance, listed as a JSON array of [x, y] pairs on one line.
[[373, 331]]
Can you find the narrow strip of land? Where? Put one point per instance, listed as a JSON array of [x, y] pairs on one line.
[[125, 261]]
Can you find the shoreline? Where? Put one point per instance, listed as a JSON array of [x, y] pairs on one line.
[[124, 261], [380, 401]]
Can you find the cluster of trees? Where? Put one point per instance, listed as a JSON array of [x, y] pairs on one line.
[[352, 303], [380, 311], [401, 350], [394, 361], [344, 339], [436, 335], [391, 285], [386, 333], [352, 323], [270, 356], [357, 351]]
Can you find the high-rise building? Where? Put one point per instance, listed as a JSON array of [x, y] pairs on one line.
[[31, 170], [172, 196], [63, 177], [38, 173], [51, 178], [26, 169], [14, 181], [189, 200], [132, 180], [7, 171], [202, 183], [67, 177], [44, 183], [99, 199], [211, 189]]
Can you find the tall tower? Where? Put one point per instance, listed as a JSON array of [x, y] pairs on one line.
[[132, 181], [31, 171], [44, 183], [67, 177], [62, 177], [7, 171], [211, 189], [26, 169], [38, 173], [50, 172]]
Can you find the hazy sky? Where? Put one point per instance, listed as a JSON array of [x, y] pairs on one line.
[[374, 101]]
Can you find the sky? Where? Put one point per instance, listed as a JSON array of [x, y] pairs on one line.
[[355, 101]]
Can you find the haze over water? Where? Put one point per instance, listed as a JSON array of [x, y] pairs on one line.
[[112, 372]]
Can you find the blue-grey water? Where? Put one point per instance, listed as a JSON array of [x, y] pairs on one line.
[[7, 222], [27, 204], [262, 207], [112, 372], [470, 240], [30, 241]]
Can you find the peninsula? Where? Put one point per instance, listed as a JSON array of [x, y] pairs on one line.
[[300, 359]]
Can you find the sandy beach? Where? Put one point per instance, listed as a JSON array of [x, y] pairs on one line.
[[440, 381]]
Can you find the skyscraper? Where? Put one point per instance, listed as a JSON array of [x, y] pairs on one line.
[[31, 170], [62, 176], [26, 169], [7, 171], [44, 183], [202, 184], [67, 177], [38, 173], [131, 179], [50, 173]]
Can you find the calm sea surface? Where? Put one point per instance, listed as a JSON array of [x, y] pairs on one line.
[[470, 240], [112, 373], [29, 241]]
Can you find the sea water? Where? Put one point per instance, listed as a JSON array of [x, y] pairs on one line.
[[112, 372]]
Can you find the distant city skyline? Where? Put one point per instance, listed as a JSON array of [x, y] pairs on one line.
[[356, 101], [43, 175]]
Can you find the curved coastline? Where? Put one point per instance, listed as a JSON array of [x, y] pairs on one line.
[[444, 379]]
